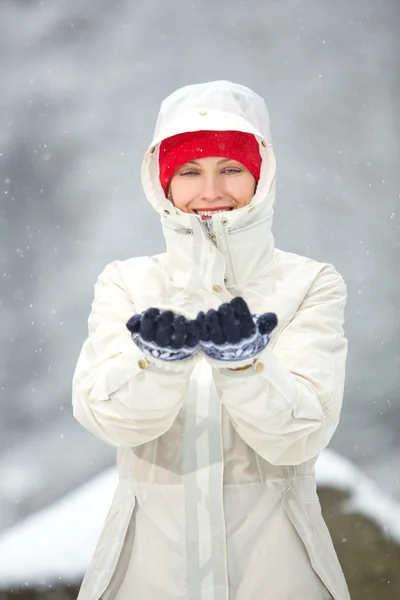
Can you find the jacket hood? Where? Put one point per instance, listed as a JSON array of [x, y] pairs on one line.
[[217, 106], [244, 236]]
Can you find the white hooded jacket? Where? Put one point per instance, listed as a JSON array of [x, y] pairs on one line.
[[217, 496]]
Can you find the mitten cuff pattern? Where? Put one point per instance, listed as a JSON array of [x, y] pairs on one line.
[[245, 349], [165, 354]]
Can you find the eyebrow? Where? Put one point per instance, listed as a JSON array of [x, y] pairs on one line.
[[194, 162]]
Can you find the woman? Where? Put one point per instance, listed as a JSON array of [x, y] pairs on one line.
[[217, 369]]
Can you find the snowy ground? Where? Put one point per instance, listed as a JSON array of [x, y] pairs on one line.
[[57, 543]]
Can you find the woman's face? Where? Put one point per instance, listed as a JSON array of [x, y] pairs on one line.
[[210, 185]]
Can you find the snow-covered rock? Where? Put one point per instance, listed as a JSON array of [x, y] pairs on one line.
[[335, 471], [57, 543]]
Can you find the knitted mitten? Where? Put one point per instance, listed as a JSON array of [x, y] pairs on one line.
[[232, 333], [164, 335]]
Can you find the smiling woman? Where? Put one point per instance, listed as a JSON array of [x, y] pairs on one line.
[[217, 368]]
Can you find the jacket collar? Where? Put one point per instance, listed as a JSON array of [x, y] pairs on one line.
[[228, 254]]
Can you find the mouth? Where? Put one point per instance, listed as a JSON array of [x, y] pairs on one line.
[[208, 213]]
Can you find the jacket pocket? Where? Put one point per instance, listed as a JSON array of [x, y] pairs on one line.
[[105, 571], [308, 521]]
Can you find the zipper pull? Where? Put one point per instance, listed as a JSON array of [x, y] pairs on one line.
[[208, 224]]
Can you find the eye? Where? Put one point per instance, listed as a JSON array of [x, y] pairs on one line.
[[232, 170], [189, 173]]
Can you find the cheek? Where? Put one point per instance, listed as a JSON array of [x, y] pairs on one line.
[[242, 190], [182, 191]]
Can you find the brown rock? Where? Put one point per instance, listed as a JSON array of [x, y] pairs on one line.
[[370, 560]]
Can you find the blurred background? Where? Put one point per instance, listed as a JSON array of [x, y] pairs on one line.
[[81, 82]]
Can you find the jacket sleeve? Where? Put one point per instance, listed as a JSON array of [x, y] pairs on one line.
[[288, 405], [117, 393]]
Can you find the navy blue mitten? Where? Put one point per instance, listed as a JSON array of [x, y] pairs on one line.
[[232, 333], [164, 335]]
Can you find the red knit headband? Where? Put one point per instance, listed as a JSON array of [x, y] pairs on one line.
[[179, 149]]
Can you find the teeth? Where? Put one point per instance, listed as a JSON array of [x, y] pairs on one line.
[[210, 213]]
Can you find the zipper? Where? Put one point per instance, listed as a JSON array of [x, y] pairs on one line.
[[208, 225]]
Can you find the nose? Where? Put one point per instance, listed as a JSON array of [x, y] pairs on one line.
[[211, 189]]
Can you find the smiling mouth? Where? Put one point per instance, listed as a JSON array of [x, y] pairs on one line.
[[209, 212]]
